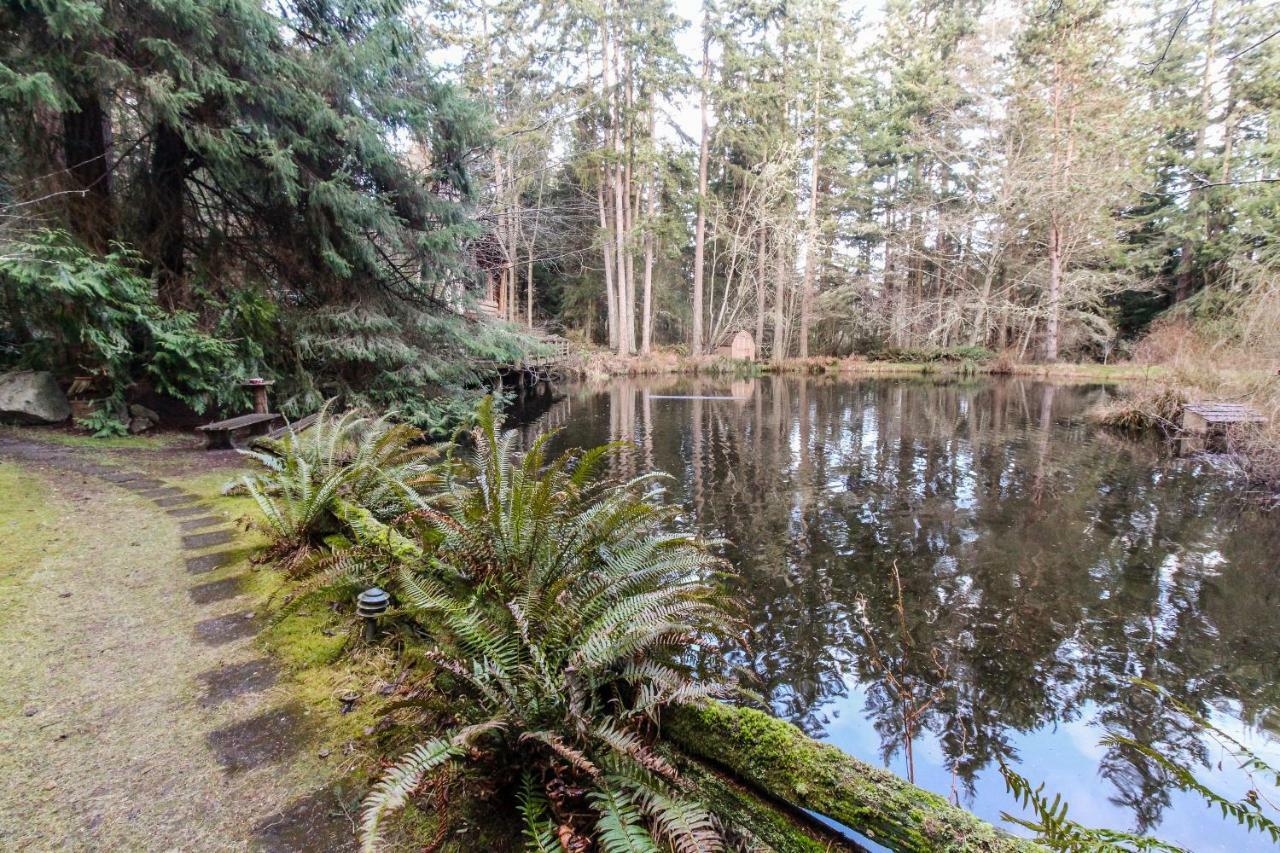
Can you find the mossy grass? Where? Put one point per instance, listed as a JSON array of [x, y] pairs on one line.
[[68, 437], [26, 529]]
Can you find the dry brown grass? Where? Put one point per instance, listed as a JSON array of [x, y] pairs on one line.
[[1233, 360], [1145, 407]]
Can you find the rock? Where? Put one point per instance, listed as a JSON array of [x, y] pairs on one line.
[[32, 397], [138, 410], [137, 425]]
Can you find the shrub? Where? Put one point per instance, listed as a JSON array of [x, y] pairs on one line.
[[560, 606], [374, 462], [70, 310], [1141, 409], [951, 355]]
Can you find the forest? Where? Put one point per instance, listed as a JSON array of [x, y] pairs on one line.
[[324, 192], [1042, 178]]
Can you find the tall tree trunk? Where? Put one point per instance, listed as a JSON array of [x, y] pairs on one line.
[[811, 223], [611, 304], [605, 191], [700, 233], [651, 211], [779, 303], [626, 339], [166, 226], [1055, 291], [86, 148], [760, 289], [626, 138]]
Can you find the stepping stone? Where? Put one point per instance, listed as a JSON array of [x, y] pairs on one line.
[[221, 630], [163, 492], [209, 562], [177, 500], [236, 679], [208, 593], [263, 739], [200, 541], [141, 484], [184, 511], [121, 477], [317, 821], [198, 523]]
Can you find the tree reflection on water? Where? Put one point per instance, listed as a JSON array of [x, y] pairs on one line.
[[1044, 563]]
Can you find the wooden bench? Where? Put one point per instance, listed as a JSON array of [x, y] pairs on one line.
[[269, 442], [221, 435], [295, 427]]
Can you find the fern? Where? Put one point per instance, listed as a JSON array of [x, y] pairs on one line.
[[1053, 828], [374, 462], [619, 828], [539, 830], [559, 604], [1246, 813], [1056, 831]]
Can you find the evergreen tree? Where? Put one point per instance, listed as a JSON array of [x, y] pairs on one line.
[[310, 155]]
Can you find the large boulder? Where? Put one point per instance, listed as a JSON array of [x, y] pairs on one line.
[[32, 397]]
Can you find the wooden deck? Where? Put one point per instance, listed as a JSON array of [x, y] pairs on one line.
[[1206, 417], [559, 351]]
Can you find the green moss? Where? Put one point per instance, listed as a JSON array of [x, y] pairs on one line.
[[367, 530], [745, 810], [300, 641], [776, 758], [67, 438], [26, 527]]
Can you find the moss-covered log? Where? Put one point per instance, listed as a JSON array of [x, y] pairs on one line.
[[766, 825], [367, 530], [775, 757]]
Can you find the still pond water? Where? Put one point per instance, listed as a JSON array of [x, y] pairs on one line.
[[1044, 564]]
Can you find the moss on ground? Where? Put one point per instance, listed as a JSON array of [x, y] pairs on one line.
[[67, 437], [27, 530]]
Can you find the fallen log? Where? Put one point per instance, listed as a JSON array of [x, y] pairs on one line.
[[776, 758]]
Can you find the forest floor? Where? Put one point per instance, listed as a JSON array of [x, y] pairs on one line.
[[136, 709]]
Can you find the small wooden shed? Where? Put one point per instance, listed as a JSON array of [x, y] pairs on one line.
[[743, 346]]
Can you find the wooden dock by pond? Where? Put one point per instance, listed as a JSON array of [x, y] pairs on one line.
[[536, 371], [1209, 422], [1205, 418]]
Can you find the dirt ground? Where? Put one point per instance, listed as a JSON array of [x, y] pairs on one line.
[[136, 711]]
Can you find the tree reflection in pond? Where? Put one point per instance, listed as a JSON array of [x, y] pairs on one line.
[[1044, 562]]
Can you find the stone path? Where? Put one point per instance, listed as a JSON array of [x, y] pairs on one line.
[[136, 713]]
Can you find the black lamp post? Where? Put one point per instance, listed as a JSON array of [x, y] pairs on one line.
[[371, 604]]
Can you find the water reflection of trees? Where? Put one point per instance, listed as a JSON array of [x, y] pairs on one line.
[[1047, 565]]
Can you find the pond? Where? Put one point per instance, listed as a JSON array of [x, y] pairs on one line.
[[1044, 565]]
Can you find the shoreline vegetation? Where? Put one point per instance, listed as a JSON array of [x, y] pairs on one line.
[[1150, 399], [598, 365]]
